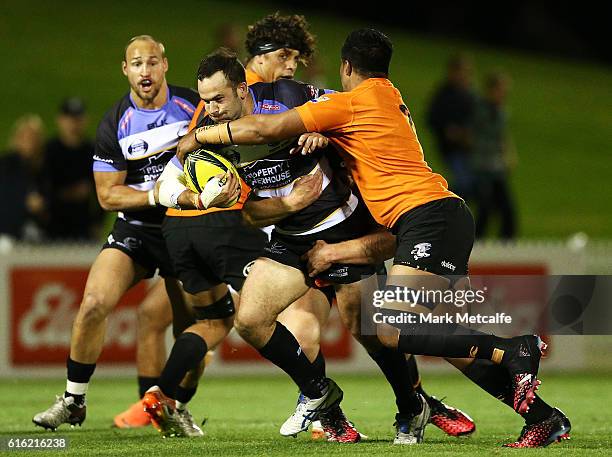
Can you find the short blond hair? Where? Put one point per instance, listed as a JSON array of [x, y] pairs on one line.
[[143, 38]]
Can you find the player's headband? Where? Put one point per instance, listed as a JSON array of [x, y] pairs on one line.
[[265, 47]]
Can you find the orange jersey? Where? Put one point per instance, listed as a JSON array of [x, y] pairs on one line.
[[374, 131], [251, 78]]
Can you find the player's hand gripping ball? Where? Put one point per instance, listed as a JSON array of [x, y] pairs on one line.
[[201, 170]]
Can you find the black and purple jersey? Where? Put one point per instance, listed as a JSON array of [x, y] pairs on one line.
[[274, 175], [141, 142]]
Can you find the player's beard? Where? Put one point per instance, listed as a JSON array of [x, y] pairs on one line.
[[148, 96]]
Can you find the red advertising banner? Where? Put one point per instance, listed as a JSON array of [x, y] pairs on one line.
[[43, 304]]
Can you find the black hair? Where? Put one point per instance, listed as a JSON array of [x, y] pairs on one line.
[[276, 32], [222, 60], [369, 52]]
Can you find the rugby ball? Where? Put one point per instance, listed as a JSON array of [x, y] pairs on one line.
[[202, 166]]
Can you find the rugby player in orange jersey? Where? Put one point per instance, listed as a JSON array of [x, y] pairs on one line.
[[373, 128]]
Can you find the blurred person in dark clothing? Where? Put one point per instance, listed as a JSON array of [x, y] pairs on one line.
[[493, 157], [449, 117], [73, 210], [229, 35], [22, 185]]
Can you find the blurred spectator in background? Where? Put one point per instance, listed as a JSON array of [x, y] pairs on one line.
[[24, 212], [493, 157], [449, 117], [73, 210], [229, 35]]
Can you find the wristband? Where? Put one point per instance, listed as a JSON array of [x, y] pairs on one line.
[[151, 196], [199, 205], [214, 134]]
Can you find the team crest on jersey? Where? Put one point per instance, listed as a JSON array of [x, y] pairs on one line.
[[421, 250], [138, 146], [130, 243]]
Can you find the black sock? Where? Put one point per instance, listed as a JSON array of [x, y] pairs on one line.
[[188, 351], [284, 351], [145, 383], [393, 365], [495, 380], [452, 346], [538, 411], [81, 373], [319, 365], [415, 377], [185, 394]]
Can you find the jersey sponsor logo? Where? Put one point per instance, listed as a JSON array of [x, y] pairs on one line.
[[447, 264], [154, 125], [275, 248], [138, 147], [153, 170], [100, 159], [421, 250], [322, 98], [270, 107], [152, 142], [341, 272], [276, 175]]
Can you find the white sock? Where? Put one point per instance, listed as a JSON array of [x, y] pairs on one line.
[[180, 406], [76, 388]]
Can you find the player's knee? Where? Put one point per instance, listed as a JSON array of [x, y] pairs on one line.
[[247, 325], [154, 319], [93, 310], [353, 326], [387, 335]]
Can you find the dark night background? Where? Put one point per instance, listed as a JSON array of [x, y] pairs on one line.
[[578, 30]]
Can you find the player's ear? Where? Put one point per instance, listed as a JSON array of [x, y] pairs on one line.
[[165, 63], [124, 67], [242, 90], [347, 68]]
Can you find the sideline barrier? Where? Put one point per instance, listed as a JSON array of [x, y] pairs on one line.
[[41, 288]]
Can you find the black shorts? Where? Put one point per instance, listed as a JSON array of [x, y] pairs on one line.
[[145, 245], [287, 249], [211, 249], [436, 237]]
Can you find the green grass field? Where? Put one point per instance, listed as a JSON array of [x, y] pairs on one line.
[[244, 415], [560, 109]]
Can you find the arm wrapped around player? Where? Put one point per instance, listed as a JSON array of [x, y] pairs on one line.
[[170, 186]]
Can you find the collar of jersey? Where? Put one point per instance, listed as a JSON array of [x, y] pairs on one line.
[[371, 81], [144, 110]]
